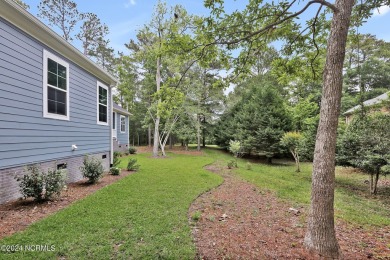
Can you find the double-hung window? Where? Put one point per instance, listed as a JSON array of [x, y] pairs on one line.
[[102, 104], [123, 124], [55, 87]]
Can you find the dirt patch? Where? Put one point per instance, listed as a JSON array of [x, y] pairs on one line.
[[17, 215], [240, 221]]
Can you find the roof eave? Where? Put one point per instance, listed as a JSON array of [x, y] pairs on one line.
[[28, 23]]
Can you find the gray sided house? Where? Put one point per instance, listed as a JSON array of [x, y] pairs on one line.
[[120, 128], [55, 104]]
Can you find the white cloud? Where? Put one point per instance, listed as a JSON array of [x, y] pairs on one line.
[[130, 3], [381, 10]]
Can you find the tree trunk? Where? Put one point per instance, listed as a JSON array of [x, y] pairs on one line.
[[320, 235], [371, 183], [376, 181], [149, 136], [157, 121], [204, 131], [170, 142], [198, 132], [269, 160]]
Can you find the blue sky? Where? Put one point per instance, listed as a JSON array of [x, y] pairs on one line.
[[124, 17]]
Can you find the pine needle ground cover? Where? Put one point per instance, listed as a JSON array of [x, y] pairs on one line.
[[353, 203], [143, 216]]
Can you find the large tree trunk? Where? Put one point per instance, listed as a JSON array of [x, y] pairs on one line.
[[157, 121], [149, 136], [320, 236], [204, 131], [198, 132]]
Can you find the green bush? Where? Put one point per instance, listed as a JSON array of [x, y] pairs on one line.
[[248, 166], [115, 171], [92, 169], [116, 160], [132, 150], [40, 185], [55, 181], [132, 164], [232, 164], [117, 154]]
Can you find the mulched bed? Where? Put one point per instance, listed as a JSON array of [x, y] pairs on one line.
[[17, 215], [240, 221]]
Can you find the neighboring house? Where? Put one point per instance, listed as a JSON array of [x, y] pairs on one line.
[[120, 128], [370, 104], [55, 103]]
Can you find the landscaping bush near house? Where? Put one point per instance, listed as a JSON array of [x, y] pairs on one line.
[[132, 150], [40, 185], [117, 154], [92, 169], [115, 171], [116, 160], [132, 164]]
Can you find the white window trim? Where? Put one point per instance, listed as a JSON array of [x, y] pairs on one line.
[[121, 124], [99, 84], [47, 55], [114, 116]]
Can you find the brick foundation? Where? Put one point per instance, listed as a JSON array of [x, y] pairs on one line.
[[9, 187], [123, 148]]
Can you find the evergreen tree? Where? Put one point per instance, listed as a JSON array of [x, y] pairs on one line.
[[60, 13]]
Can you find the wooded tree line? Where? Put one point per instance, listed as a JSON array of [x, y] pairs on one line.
[[92, 33], [171, 81]]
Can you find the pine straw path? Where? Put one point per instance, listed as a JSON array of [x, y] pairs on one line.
[[240, 221]]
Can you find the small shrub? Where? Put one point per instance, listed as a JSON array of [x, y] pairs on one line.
[[117, 154], [248, 166], [40, 185], [196, 216], [132, 150], [132, 164], [232, 164], [115, 171], [55, 181], [116, 161], [92, 169], [235, 148]]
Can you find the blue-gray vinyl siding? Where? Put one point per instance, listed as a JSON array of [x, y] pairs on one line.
[[122, 137], [25, 135]]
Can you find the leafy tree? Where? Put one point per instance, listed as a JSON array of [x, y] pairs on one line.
[[292, 141], [163, 50], [261, 22], [365, 144], [60, 13]]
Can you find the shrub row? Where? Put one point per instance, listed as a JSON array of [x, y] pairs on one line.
[[42, 185]]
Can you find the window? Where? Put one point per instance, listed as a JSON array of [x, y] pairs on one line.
[[113, 121], [102, 103], [55, 87], [123, 124]]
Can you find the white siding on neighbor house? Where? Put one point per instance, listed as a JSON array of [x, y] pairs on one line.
[[25, 135]]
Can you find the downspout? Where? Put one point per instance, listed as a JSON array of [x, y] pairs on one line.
[[111, 136]]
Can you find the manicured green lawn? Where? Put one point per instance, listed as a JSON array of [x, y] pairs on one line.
[[143, 216], [352, 201]]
